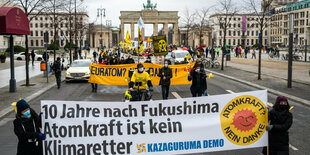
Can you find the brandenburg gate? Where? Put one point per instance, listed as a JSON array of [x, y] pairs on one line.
[[150, 16]]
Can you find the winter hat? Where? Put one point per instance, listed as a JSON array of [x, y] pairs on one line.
[[21, 105], [281, 98]]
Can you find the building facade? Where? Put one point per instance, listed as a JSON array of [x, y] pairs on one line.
[[243, 29], [44, 23], [280, 23], [104, 36]]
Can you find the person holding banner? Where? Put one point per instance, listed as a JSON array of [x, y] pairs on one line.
[[130, 60], [27, 129], [94, 86], [165, 75], [281, 119], [198, 76], [140, 81]]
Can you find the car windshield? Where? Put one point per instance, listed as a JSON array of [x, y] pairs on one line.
[[181, 55], [81, 64], [168, 56]]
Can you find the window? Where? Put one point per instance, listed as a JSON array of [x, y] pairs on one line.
[[42, 44], [46, 25], [37, 42], [41, 25], [31, 33], [30, 25], [31, 42], [252, 33], [42, 33], [37, 33], [41, 18], [36, 24], [52, 33]]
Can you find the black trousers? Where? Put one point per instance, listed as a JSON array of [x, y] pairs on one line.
[[58, 80], [165, 91]]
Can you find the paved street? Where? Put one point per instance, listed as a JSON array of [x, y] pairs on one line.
[[81, 91]]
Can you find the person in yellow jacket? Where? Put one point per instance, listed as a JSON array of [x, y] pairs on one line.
[[140, 79]]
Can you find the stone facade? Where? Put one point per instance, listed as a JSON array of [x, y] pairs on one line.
[[234, 34], [44, 23], [154, 17], [107, 36], [280, 23]]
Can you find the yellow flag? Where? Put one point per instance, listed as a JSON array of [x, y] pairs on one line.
[[141, 45], [128, 39]]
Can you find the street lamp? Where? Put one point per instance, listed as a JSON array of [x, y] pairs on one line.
[[109, 24], [290, 51], [101, 12]]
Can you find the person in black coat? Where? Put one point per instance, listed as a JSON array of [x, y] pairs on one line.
[[165, 75], [130, 60], [281, 120], [57, 70], [198, 76], [27, 129]]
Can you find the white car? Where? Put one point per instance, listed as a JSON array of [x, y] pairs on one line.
[[79, 70], [21, 56], [178, 56]]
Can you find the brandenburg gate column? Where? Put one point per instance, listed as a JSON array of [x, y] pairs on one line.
[[155, 29], [121, 37], [166, 30], [175, 33], [132, 30]]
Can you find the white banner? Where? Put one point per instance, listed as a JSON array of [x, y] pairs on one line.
[[178, 126]]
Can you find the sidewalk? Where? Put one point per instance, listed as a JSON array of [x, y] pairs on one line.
[[24, 92], [274, 76], [276, 69], [20, 73]]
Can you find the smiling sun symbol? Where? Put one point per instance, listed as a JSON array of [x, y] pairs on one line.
[[244, 120]]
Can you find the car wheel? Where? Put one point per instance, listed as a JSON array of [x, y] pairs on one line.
[[19, 58], [39, 59]]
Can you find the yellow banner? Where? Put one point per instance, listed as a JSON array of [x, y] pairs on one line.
[[119, 74]]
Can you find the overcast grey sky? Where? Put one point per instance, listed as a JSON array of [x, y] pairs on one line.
[[113, 7]]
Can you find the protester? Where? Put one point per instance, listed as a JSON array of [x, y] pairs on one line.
[[254, 53], [218, 52], [130, 60], [281, 120], [122, 61], [198, 76], [33, 55], [207, 51], [57, 70], [95, 54], [27, 126], [148, 60], [113, 60], [165, 75], [94, 86]]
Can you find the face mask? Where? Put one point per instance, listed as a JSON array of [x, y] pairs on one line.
[[141, 69], [166, 65], [282, 107], [27, 114]]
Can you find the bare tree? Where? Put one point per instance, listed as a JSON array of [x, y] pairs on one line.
[[188, 20], [53, 9], [202, 23], [262, 12], [34, 7], [225, 12]]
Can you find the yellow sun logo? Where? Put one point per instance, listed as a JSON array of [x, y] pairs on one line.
[[141, 148]]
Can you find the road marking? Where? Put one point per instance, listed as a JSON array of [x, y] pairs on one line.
[[268, 103], [230, 91], [293, 147], [176, 95]]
